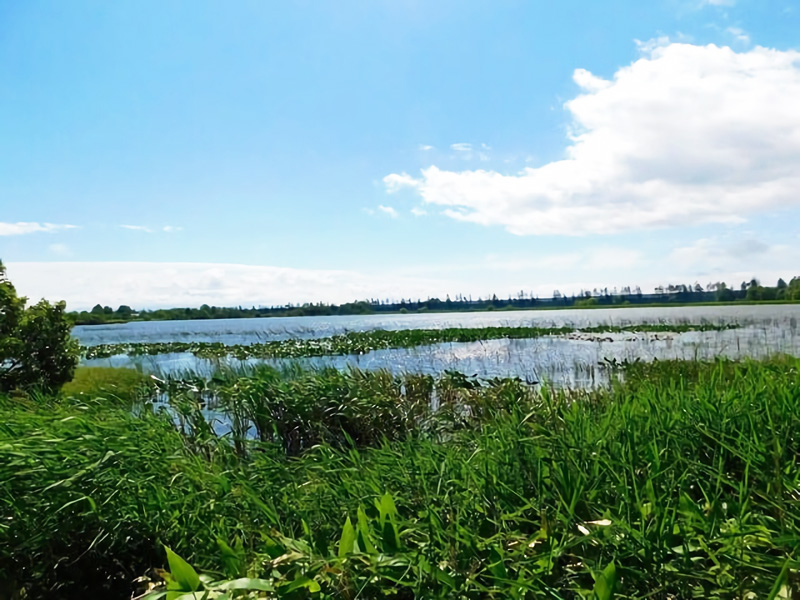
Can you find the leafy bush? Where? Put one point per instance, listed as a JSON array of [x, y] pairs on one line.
[[36, 349]]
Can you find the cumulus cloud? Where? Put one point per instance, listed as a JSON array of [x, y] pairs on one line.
[[137, 228], [23, 228], [151, 285], [687, 134]]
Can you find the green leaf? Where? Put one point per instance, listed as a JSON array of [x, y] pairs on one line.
[[496, 566], [605, 583], [391, 541], [780, 582], [299, 583], [387, 507], [347, 541], [182, 572], [364, 541], [246, 583]]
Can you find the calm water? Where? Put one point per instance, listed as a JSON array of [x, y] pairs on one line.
[[571, 360]]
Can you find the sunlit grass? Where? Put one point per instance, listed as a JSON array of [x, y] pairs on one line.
[[684, 477]]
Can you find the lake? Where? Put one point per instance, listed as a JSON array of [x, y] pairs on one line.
[[571, 360]]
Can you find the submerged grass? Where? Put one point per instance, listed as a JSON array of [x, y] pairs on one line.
[[361, 342], [682, 481]]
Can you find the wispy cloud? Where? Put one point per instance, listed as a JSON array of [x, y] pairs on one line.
[[388, 210], [739, 34], [23, 228], [462, 147], [418, 212], [425, 147], [468, 151], [397, 181], [145, 229]]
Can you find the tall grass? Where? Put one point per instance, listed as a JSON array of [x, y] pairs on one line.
[[680, 481]]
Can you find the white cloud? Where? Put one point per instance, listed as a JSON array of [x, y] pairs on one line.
[[137, 228], [23, 228], [739, 34], [388, 210], [171, 228], [685, 135], [395, 182], [733, 260], [149, 285], [462, 147], [418, 212], [425, 147], [719, 2]]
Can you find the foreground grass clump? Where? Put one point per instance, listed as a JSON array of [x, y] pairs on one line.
[[361, 342], [680, 482]]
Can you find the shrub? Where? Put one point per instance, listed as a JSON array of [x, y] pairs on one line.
[[36, 348]]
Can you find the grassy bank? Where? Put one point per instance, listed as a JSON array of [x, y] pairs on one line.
[[378, 339], [680, 482]]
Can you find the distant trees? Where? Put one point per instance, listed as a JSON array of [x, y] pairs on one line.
[[36, 348], [671, 293]]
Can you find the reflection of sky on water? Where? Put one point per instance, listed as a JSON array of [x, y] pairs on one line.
[[248, 331], [564, 361]]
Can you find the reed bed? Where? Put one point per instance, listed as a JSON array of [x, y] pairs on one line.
[[679, 480]]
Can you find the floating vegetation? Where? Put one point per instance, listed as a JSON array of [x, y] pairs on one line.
[[362, 342]]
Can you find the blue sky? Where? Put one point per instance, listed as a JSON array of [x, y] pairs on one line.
[[260, 152]]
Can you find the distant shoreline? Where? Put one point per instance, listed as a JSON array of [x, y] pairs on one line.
[[507, 308]]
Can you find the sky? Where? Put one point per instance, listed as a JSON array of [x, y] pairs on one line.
[[162, 154]]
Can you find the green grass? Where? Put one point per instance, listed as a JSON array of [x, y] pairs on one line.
[[123, 385], [379, 339], [680, 482]]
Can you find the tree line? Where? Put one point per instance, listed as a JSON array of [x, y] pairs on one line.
[[749, 291]]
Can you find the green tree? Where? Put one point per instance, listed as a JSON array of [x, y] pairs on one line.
[[36, 348]]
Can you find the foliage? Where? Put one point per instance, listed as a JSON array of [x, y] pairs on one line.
[[36, 348], [121, 385], [678, 481]]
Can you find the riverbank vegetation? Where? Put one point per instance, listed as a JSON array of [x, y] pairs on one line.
[[680, 480], [670, 295], [361, 342]]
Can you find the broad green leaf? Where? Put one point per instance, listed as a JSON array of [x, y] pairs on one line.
[[347, 541], [364, 541], [387, 507], [182, 572], [299, 583], [246, 583], [391, 541], [496, 566], [605, 583]]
